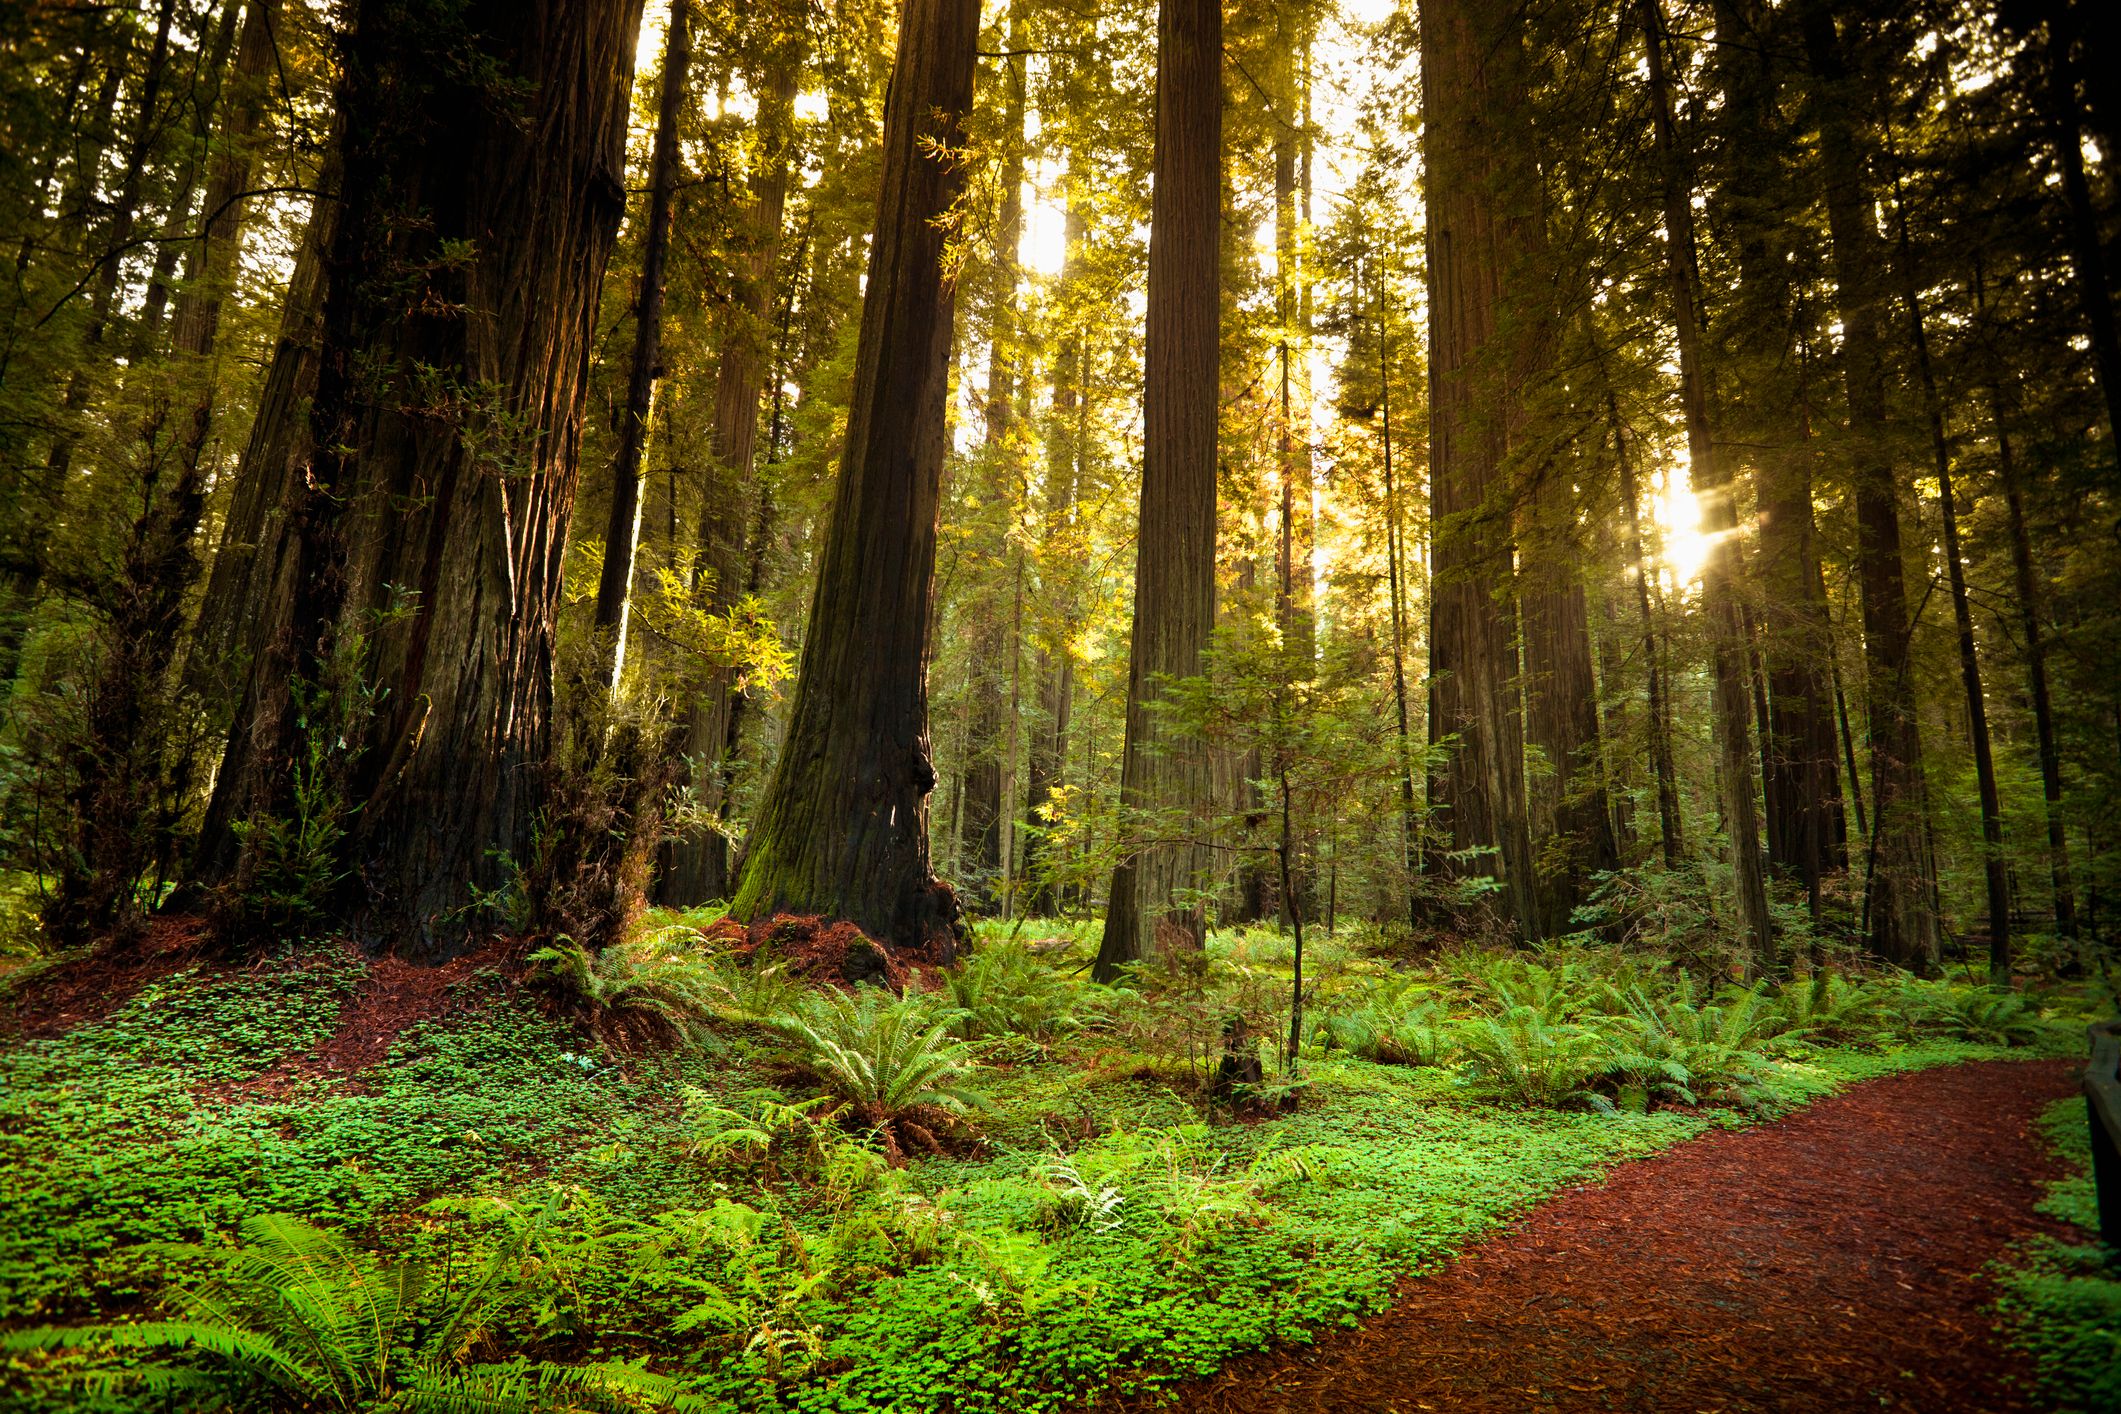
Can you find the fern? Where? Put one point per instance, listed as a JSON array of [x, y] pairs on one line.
[[1523, 1057], [308, 1321], [886, 1057]]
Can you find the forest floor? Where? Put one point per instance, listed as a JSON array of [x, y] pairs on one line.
[[1834, 1260]]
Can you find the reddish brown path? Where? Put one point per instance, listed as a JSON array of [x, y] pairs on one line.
[[1830, 1261]]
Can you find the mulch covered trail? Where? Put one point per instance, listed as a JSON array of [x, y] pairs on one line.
[[1830, 1261]]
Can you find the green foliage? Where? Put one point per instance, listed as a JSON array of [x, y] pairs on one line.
[[664, 975], [2062, 1299], [1523, 1058], [888, 1058], [1004, 989], [297, 1316], [1415, 1035]]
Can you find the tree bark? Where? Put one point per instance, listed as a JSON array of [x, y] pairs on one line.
[[622, 528], [1482, 206], [1164, 776], [843, 829], [429, 523], [1713, 479], [1901, 922]]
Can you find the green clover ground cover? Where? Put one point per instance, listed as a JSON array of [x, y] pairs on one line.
[[687, 1210]]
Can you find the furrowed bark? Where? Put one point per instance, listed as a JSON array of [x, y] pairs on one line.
[[428, 523], [1480, 210], [842, 829], [1164, 776]]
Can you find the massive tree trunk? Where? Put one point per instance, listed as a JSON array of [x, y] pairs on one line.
[[1482, 204], [1164, 776], [430, 519], [696, 867], [622, 527], [1713, 482], [1901, 919], [843, 826]]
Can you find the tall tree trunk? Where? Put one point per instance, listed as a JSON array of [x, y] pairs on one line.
[[622, 528], [1475, 181], [1671, 828], [1055, 663], [2030, 617], [984, 785], [1807, 836], [431, 519], [1995, 868], [696, 868], [1713, 480], [843, 829], [1164, 778], [1902, 924], [1395, 580]]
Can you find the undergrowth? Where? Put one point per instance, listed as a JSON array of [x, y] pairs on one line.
[[757, 1212], [2062, 1297]]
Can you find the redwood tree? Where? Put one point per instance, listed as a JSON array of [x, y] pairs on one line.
[[842, 828], [1164, 777], [1479, 207], [481, 153]]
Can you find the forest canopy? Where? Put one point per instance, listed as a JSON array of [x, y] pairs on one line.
[[1510, 468]]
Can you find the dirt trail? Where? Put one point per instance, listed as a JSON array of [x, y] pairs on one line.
[[1831, 1261]]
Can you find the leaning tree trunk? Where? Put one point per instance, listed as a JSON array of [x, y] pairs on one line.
[[1713, 481], [1482, 199], [842, 829], [481, 158], [1902, 921], [1164, 776], [622, 529]]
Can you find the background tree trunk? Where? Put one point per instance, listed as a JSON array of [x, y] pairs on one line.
[[1902, 921], [1162, 774], [622, 528], [1713, 482], [1478, 204], [843, 829], [695, 868]]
